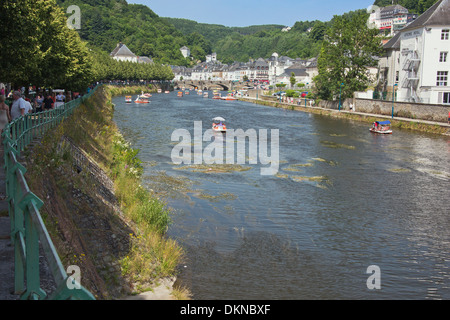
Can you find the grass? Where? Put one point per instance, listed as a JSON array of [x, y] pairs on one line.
[[151, 254]]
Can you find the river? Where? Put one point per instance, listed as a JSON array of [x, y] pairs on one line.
[[343, 200]]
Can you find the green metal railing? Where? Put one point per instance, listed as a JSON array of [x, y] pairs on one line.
[[28, 231]]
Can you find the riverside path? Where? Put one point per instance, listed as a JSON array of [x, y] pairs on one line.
[[6, 248]]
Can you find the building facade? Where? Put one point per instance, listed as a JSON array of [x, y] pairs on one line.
[[424, 64], [269, 71], [122, 53], [391, 18], [185, 51]]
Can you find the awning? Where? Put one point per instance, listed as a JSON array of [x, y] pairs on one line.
[[383, 122]]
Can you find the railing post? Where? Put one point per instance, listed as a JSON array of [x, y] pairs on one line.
[[34, 291]]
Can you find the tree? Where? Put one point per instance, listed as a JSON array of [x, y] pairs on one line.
[[318, 31], [39, 48], [292, 79], [348, 48], [20, 52]]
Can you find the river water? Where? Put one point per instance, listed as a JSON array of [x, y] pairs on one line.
[[343, 200]]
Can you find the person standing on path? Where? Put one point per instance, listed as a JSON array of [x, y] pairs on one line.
[[48, 103], [5, 116], [19, 106]]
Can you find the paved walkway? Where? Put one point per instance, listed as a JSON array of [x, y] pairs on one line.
[[6, 249]]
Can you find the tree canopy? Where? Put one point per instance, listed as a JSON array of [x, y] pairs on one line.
[[37, 46], [105, 23], [348, 48]]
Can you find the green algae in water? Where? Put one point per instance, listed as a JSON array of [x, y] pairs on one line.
[[331, 144], [282, 176], [172, 186], [220, 197], [309, 164], [293, 169], [399, 170], [318, 181], [214, 168], [330, 162], [337, 135]]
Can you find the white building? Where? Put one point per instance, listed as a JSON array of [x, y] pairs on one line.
[[122, 53], [389, 65], [424, 62], [277, 66], [185, 51], [211, 57], [391, 18]]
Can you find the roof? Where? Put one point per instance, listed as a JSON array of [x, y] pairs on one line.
[[144, 59], [297, 73], [394, 8], [437, 15], [394, 43], [122, 50]]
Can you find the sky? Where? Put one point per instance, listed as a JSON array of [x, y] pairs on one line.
[[243, 13]]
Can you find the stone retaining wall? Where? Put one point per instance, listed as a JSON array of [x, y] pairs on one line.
[[430, 112], [401, 109]]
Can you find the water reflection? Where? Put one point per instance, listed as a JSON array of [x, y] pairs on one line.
[[343, 199]]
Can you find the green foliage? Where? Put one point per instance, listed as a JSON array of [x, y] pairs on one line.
[[126, 157], [292, 93], [414, 6], [37, 47], [242, 43], [104, 23], [106, 68], [318, 31], [292, 79], [347, 50], [199, 46]]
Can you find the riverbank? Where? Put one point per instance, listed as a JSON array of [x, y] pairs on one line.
[[396, 122], [98, 214]]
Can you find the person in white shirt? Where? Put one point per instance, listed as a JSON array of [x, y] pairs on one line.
[[28, 108], [19, 106], [60, 98]]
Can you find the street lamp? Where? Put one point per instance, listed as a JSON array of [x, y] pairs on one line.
[[393, 98], [340, 93]]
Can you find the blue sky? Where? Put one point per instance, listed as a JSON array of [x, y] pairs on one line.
[[241, 13]]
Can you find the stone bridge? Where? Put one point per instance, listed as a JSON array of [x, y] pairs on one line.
[[206, 85]]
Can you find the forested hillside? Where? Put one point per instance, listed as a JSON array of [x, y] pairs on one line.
[[242, 43], [104, 23]]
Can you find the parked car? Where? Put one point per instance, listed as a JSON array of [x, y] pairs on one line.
[[282, 93]]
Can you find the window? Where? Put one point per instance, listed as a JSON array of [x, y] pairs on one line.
[[443, 57], [446, 99], [441, 79], [445, 34]]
